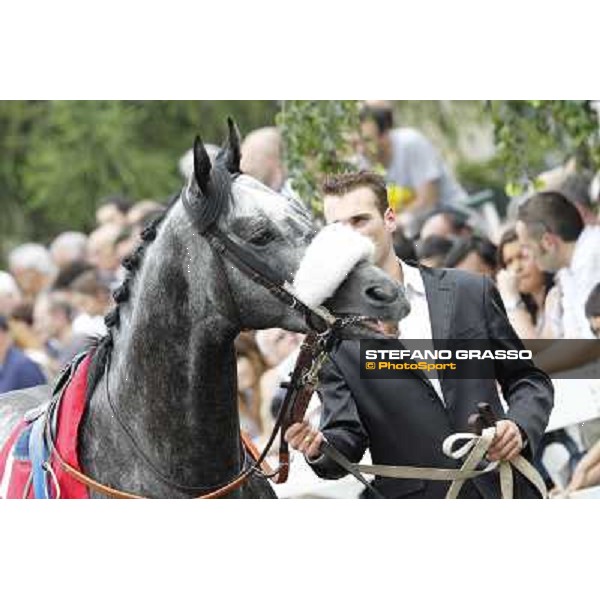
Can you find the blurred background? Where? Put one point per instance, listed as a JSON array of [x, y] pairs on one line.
[[60, 158], [80, 180]]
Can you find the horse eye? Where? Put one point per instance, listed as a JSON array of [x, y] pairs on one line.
[[263, 237]]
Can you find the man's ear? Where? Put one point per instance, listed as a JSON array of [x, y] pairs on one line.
[[547, 241], [389, 219]]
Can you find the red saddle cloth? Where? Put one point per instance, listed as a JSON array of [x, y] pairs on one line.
[[15, 465]]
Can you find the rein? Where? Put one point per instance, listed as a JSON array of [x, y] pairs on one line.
[[474, 448]]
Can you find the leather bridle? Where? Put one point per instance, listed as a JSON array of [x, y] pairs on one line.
[[324, 328]]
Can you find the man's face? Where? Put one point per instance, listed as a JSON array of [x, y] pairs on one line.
[[110, 214], [543, 249], [358, 209]]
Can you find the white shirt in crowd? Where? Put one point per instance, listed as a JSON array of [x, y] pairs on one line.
[[577, 281], [417, 324], [86, 325]]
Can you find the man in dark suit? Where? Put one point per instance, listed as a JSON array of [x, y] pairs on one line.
[[405, 421]]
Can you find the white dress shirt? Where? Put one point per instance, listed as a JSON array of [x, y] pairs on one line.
[[577, 281], [417, 324]]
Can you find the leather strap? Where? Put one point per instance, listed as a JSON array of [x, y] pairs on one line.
[[254, 452], [122, 495], [474, 448], [335, 455], [300, 388]]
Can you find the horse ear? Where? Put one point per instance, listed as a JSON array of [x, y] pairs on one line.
[[231, 153], [202, 164]]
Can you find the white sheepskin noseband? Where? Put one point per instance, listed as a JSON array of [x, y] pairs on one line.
[[328, 260]]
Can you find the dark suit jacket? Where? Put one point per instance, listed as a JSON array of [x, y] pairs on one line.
[[403, 421]]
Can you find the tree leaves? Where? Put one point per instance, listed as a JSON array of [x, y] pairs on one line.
[[60, 157], [527, 132], [317, 138]]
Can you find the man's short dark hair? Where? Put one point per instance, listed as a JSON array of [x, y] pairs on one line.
[[343, 183], [434, 246], [382, 116], [592, 306], [554, 212], [462, 247]]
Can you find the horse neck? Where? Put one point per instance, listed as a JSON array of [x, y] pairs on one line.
[[172, 378]]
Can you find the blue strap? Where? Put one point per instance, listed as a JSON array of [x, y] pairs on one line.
[[38, 453]]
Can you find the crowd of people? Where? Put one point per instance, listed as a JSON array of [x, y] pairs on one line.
[[53, 299], [545, 262]]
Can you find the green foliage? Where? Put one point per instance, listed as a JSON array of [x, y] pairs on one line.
[[317, 138], [528, 131], [60, 157], [85, 150]]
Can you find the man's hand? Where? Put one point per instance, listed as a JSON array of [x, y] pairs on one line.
[[507, 443], [302, 437], [587, 473]]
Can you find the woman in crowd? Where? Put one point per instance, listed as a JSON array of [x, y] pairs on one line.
[[524, 288]]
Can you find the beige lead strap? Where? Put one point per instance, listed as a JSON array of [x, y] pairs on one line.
[[474, 448], [478, 447]]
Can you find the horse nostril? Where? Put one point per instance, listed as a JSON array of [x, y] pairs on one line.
[[381, 294]]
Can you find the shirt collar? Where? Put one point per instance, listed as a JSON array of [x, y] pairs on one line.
[[412, 277]]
